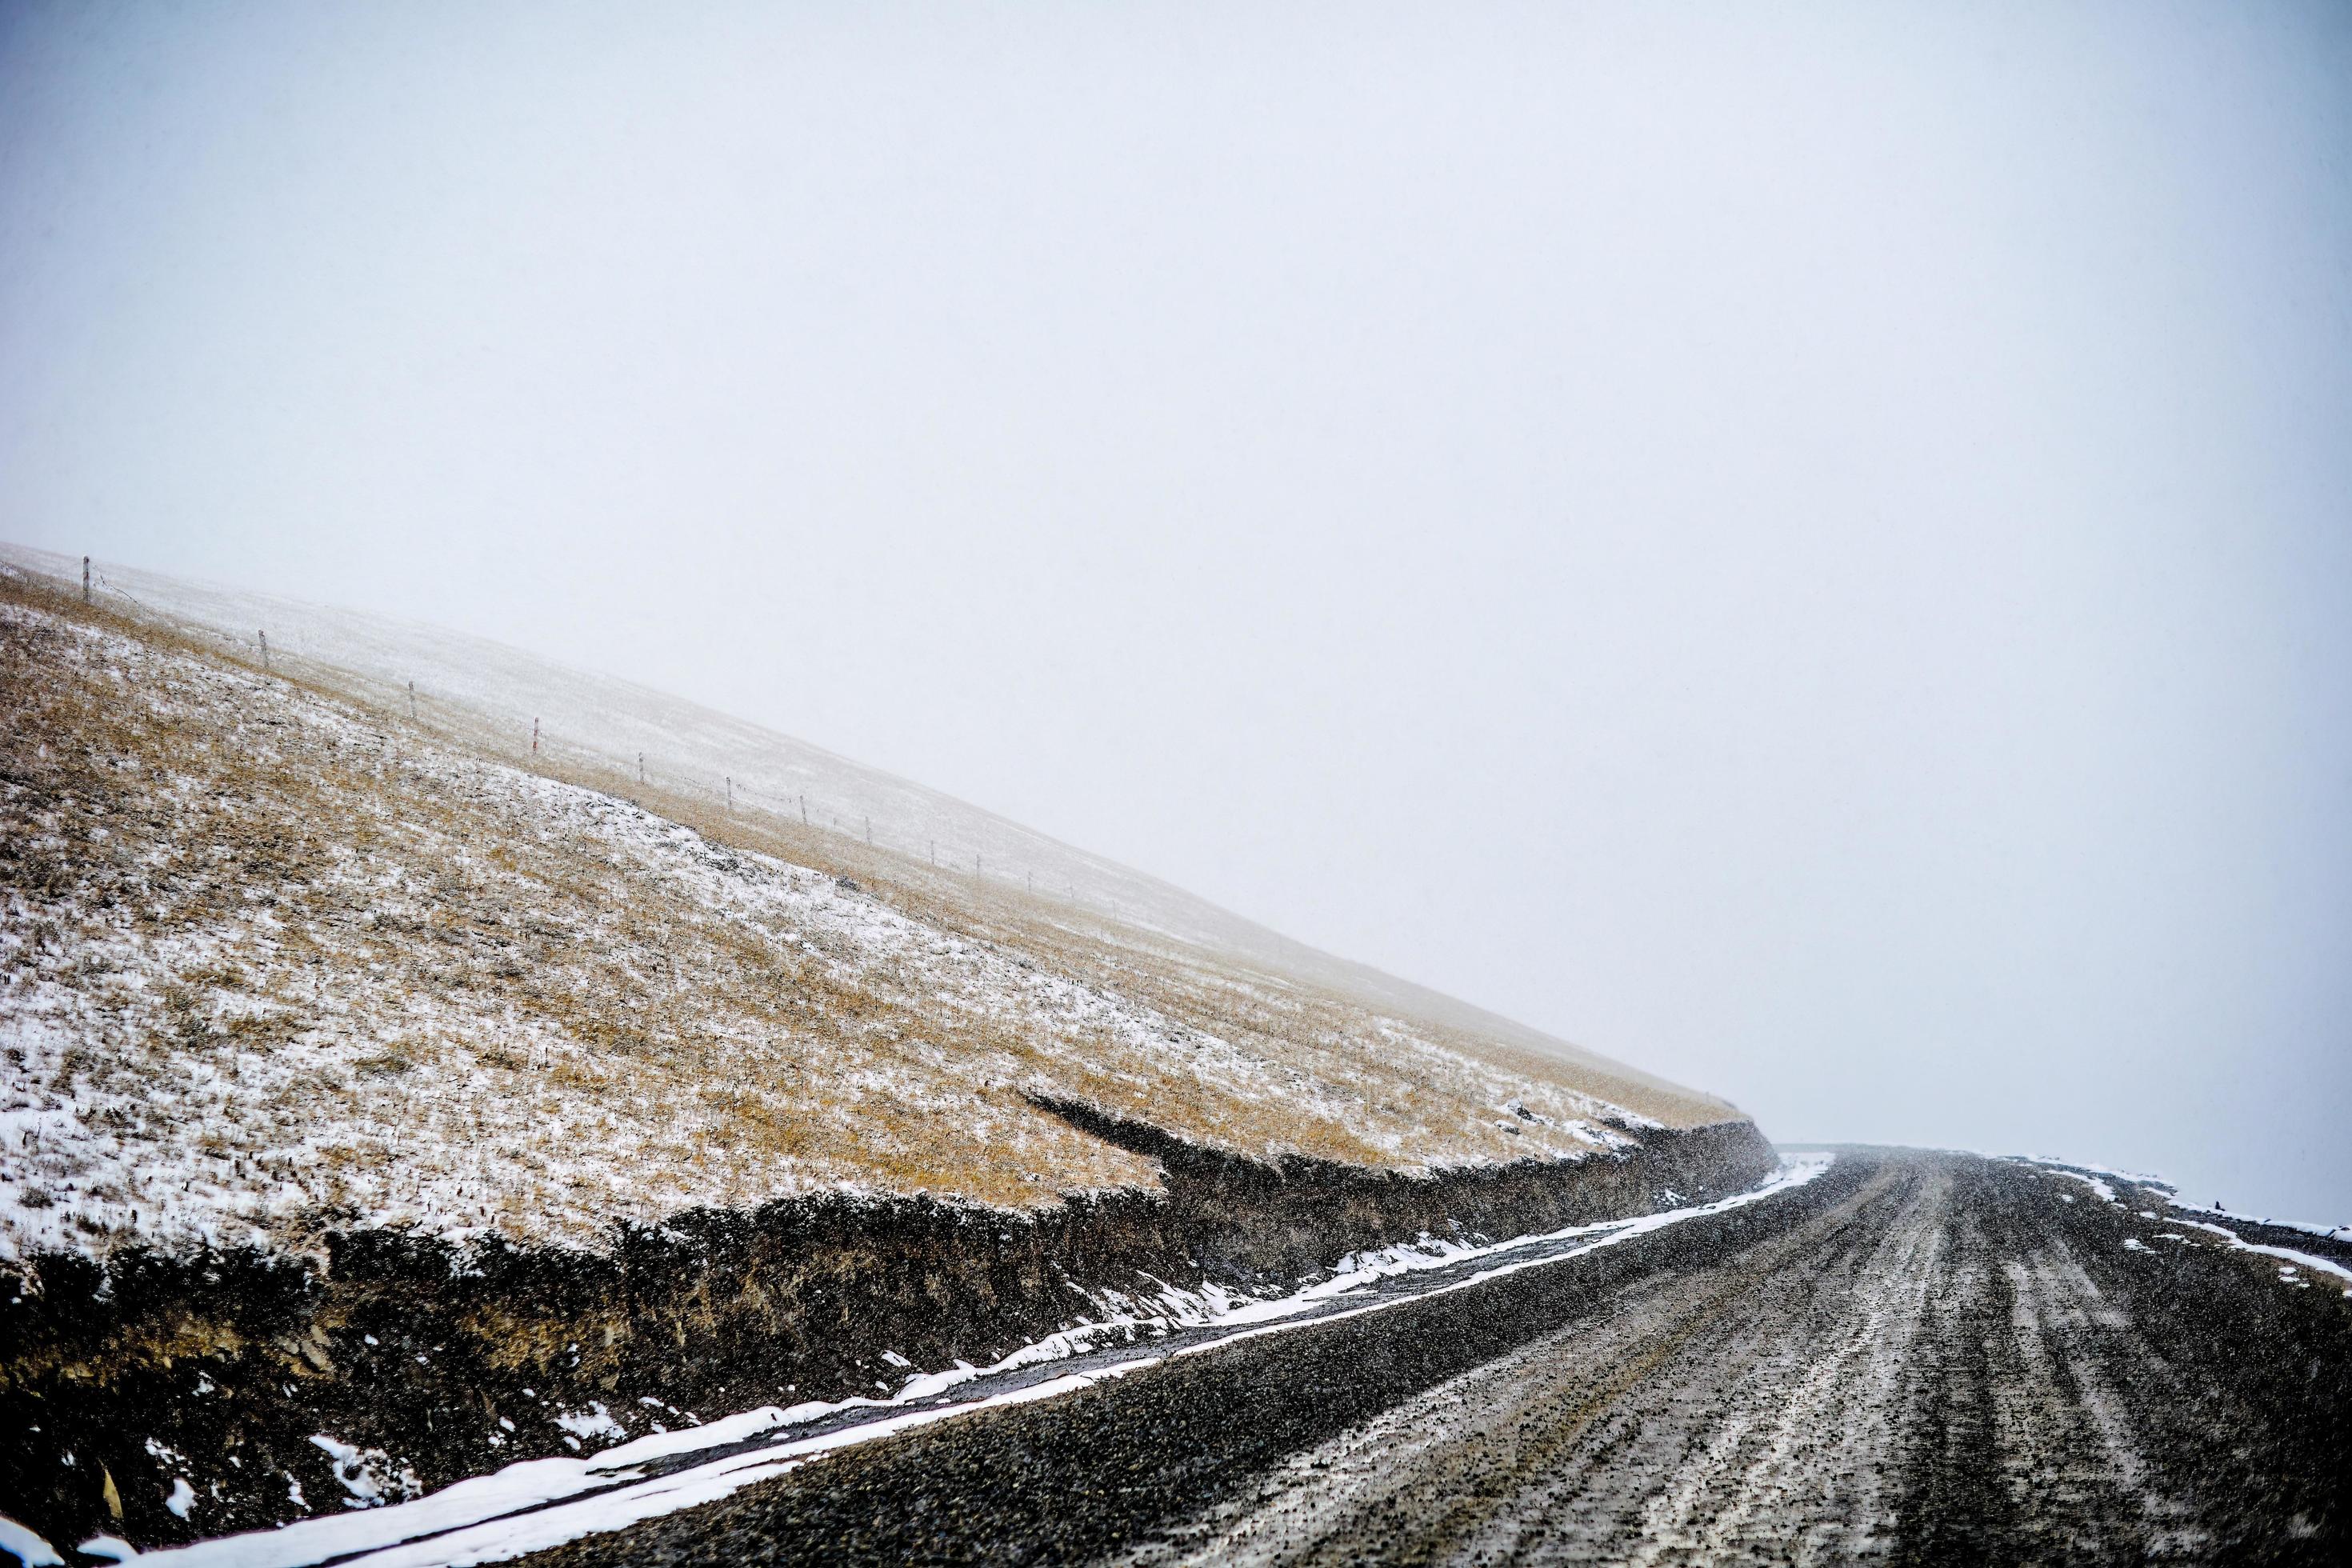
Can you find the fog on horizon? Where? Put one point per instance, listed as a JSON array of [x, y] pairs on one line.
[[1810, 550]]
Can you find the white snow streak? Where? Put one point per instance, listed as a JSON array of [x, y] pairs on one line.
[[484, 1519]]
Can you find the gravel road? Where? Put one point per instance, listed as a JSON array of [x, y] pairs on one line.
[[1916, 1358]]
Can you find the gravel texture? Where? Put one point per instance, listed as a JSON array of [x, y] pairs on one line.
[[1917, 1358]]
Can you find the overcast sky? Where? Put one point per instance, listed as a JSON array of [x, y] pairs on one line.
[[1807, 549]]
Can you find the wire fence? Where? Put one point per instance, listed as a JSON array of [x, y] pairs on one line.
[[999, 863], [731, 794]]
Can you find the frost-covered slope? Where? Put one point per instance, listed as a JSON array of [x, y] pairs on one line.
[[487, 696], [273, 959]]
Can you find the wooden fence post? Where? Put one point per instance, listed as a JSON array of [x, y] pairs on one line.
[[534, 737], [411, 702], [85, 579], [264, 649]]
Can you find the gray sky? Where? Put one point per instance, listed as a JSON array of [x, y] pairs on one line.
[[1809, 549]]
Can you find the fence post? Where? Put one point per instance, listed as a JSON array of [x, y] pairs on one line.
[[534, 737], [641, 768], [411, 702], [85, 579], [730, 794], [869, 833], [803, 811], [265, 649]]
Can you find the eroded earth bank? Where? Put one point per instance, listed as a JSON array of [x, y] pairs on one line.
[[422, 1363]]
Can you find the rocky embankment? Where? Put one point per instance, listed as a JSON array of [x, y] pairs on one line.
[[164, 1398]]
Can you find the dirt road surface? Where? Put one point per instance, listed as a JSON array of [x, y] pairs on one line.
[[1914, 1359]]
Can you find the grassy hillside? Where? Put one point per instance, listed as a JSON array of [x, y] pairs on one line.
[[489, 697], [277, 956]]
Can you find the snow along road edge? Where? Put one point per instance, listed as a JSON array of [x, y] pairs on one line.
[[538, 1504], [2106, 1193]]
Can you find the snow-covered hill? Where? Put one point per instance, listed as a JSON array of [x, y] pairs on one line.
[[489, 696], [278, 955]]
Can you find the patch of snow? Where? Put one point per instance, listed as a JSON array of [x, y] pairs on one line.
[[593, 1422], [367, 1474], [2287, 1254], [519, 1486], [2106, 1193], [27, 1547], [1795, 1172], [2130, 1178], [2076, 1168], [183, 1498], [2325, 1232], [500, 1538]]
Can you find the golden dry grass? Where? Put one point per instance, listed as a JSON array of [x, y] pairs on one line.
[[269, 957]]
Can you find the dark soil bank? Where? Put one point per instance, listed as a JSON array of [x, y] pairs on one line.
[[116, 1384]]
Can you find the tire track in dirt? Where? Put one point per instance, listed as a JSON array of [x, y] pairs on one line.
[[1618, 1430], [1917, 1358]]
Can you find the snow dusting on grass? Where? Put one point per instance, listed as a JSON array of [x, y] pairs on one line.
[[272, 963]]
